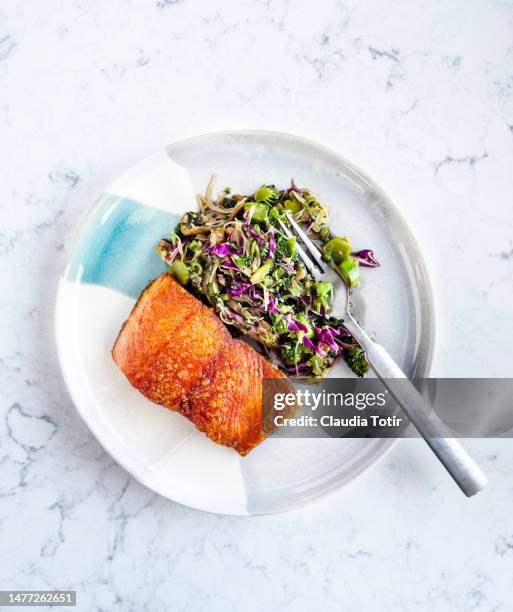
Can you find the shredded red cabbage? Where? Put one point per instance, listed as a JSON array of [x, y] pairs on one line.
[[272, 244], [325, 336], [366, 258], [302, 326], [249, 230], [272, 306], [229, 265], [292, 325], [224, 250], [309, 344], [237, 290]]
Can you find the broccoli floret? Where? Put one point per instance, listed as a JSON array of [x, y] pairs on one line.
[[281, 280], [355, 358], [280, 325], [282, 249], [242, 261], [194, 245], [292, 353], [317, 364]]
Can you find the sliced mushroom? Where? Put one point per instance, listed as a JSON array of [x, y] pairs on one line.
[[216, 236], [164, 249], [191, 224]]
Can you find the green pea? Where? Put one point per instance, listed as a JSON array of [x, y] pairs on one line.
[[293, 206], [180, 271], [337, 249]]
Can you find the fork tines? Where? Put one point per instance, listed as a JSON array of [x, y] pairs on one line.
[[310, 246]]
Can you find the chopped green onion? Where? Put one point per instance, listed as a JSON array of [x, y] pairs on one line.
[[324, 289], [213, 288], [350, 272], [180, 271], [295, 288], [259, 275], [260, 212], [337, 249], [293, 206]]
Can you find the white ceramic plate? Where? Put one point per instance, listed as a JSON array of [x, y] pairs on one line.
[[113, 260]]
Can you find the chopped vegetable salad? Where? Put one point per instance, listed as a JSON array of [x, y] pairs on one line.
[[233, 253]]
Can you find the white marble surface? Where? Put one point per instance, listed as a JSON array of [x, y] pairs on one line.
[[418, 93]]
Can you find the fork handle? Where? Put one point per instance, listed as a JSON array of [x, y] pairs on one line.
[[463, 469]]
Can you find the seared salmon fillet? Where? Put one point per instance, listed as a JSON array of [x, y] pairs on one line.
[[178, 353], [227, 403], [167, 342]]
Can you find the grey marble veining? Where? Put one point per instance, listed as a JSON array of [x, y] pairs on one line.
[[418, 94]]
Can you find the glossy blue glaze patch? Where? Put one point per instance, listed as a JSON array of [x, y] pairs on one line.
[[116, 245]]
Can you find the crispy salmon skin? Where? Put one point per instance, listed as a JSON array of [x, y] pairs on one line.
[[178, 353]]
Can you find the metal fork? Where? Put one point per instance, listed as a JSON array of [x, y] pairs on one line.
[[449, 451]]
